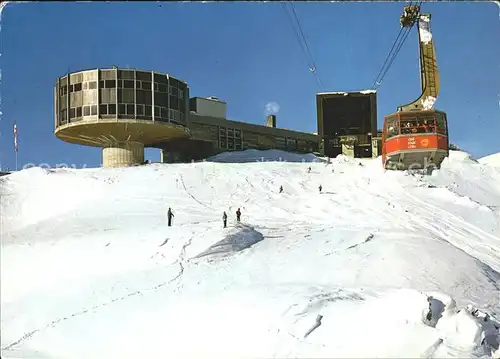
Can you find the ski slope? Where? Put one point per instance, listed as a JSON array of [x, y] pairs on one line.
[[90, 269]]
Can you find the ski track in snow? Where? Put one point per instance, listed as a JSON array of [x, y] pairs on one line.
[[53, 323], [361, 215]]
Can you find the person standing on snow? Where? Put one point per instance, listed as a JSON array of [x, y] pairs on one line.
[[281, 189], [224, 219], [238, 215], [170, 215], [320, 188]]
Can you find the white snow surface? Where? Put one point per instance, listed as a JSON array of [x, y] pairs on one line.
[[90, 269], [263, 156], [491, 160]]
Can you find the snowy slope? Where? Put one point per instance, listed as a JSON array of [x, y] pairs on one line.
[[90, 268], [261, 156], [492, 160]]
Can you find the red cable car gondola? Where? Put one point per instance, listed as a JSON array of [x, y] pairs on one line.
[[417, 136]]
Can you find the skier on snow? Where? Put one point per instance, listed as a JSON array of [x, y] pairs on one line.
[[238, 215], [170, 215], [224, 219]]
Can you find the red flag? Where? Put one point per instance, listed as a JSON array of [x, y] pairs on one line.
[[15, 136]]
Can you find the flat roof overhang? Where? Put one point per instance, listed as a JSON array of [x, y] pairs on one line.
[[106, 132]]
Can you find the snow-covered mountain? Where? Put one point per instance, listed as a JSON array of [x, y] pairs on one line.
[[379, 264]]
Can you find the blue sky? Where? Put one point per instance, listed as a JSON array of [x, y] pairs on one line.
[[246, 54]]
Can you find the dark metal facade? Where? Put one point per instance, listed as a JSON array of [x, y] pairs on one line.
[[345, 114]]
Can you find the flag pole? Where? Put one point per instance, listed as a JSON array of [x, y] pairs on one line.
[[15, 141]]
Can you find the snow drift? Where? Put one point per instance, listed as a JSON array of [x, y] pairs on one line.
[[388, 264], [491, 160]]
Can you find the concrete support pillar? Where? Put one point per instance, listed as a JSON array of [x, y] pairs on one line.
[[123, 154], [348, 150], [170, 157]]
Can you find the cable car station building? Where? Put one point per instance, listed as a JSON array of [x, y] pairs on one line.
[[125, 110]]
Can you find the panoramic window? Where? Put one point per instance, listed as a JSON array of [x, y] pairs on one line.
[[122, 110], [164, 112], [130, 109], [63, 116], [128, 84], [140, 110], [103, 109], [112, 109], [162, 88], [126, 74], [392, 128], [174, 102], [143, 76], [126, 95], [440, 124]]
